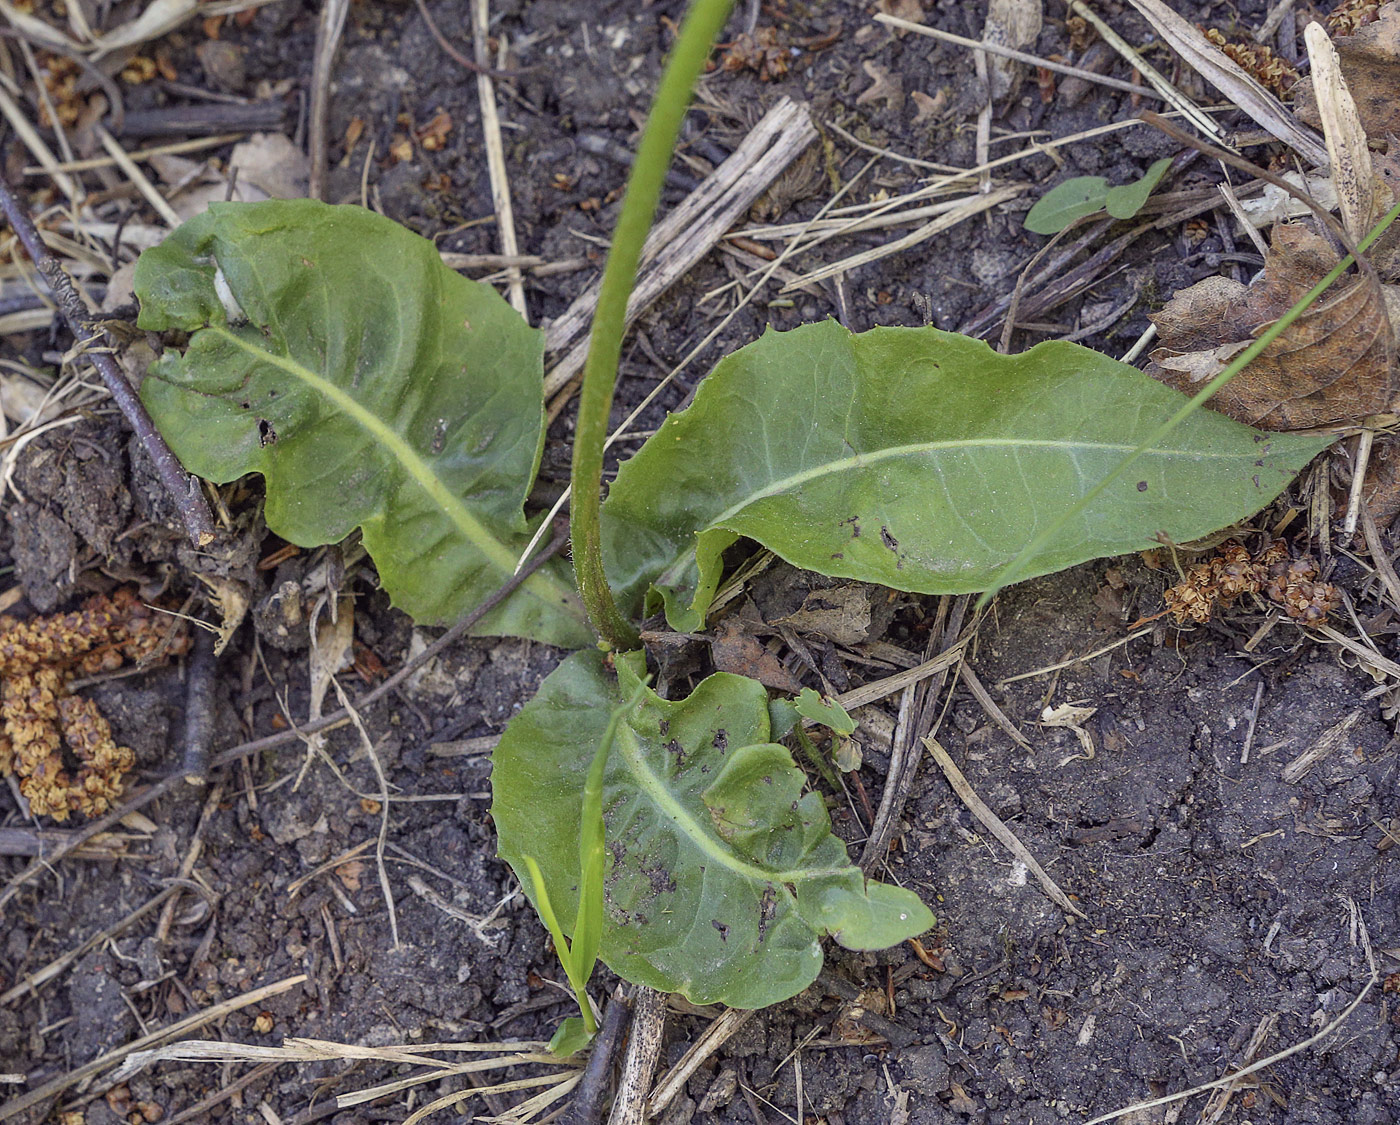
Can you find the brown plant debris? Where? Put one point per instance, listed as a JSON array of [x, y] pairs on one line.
[[1289, 583], [1367, 38], [1334, 365], [38, 657], [1268, 69], [1350, 16], [764, 51]]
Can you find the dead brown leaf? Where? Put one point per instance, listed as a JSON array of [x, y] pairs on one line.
[[1371, 66], [929, 108], [1334, 365], [737, 650], [884, 87], [841, 614]]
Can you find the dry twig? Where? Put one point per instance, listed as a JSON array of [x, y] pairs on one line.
[[183, 489], [258, 745]]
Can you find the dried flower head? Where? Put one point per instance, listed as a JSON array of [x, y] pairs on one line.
[[1291, 584], [39, 714]]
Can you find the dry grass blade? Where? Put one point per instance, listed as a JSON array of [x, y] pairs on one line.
[[36, 31], [1379, 557], [40, 150], [915, 720], [684, 236], [527, 1110], [989, 705], [974, 205], [1155, 78], [878, 689], [1231, 80], [42, 1094], [557, 1090], [997, 827], [1352, 174], [1369, 656], [496, 153], [711, 1040], [1219, 1102], [1330, 740], [32, 982], [297, 1050], [198, 144], [137, 177], [780, 232], [328, 33], [1012, 53]]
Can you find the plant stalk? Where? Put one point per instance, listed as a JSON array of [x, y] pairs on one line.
[[703, 23]]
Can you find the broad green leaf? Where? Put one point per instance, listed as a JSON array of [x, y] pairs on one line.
[[332, 352], [923, 461], [723, 873], [1126, 201], [1066, 202]]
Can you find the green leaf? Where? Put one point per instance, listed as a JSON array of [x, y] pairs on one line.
[[372, 387], [1065, 202], [922, 461], [545, 909], [723, 873], [1126, 201], [571, 1037], [822, 709], [588, 922]]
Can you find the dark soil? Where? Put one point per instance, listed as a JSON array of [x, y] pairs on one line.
[[1218, 894]]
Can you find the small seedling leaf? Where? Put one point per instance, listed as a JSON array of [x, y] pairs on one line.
[[723, 873], [1126, 201], [570, 1038], [1065, 202], [922, 460], [332, 352], [824, 710]]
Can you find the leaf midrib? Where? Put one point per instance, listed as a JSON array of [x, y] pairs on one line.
[[496, 552], [861, 460], [655, 790]]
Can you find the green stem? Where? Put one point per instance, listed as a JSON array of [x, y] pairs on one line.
[[1016, 566], [702, 24]]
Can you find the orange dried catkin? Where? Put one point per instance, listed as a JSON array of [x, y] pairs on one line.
[[38, 713]]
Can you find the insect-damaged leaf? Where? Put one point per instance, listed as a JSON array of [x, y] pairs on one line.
[[922, 461], [723, 874], [372, 387]]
